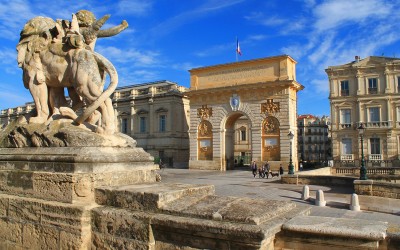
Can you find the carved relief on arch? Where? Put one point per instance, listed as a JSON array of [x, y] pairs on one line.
[[204, 141], [270, 139], [205, 129], [270, 126], [204, 112]]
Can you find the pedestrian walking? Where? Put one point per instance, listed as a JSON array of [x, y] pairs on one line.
[[267, 169], [281, 170], [254, 168]]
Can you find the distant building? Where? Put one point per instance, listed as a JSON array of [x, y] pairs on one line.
[[155, 114], [314, 142], [10, 114], [366, 91]]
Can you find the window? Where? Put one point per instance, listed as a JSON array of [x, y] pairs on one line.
[[374, 114], [375, 146], [162, 123], [346, 146], [345, 116], [398, 84], [124, 125], [142, 125], [398, 114], [372, 86], [344, 88], [243, 134]]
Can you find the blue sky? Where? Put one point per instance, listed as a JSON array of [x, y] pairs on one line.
[[166, 38]]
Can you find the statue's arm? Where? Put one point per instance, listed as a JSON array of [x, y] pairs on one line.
[[114, 30]]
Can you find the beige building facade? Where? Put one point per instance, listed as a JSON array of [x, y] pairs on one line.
[[366, 91], [314, 142], [156, 115], [243, 108]]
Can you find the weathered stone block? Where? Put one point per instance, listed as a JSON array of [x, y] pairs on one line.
[[31, 236], [122, 223], [69, 217], [53, 186], [100, 241], [75, 241], [4, 201], [11, 231], [24, 210], [49, 237]]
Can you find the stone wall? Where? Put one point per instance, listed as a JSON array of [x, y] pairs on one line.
[[327, 180], [377, 188]]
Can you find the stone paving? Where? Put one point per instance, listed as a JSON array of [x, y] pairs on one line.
[[241, 183]]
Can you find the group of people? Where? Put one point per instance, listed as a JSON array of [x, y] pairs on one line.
[[264, 170]]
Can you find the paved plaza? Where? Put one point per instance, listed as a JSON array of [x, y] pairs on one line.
[[241, 183]]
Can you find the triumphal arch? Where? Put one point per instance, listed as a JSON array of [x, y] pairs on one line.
[[242, 109]]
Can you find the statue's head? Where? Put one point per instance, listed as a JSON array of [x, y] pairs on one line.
[[85, 18]]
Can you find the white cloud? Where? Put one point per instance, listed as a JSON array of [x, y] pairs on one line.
[[133, 56], [273, 21], [134, 7], [334, 13], [320, 86]]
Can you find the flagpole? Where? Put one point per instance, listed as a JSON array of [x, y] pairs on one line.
[[236, 53]]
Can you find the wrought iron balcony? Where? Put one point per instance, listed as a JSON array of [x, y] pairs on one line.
[[372, 90]]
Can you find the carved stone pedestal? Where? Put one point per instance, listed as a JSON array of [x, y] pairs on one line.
[[47, 194]]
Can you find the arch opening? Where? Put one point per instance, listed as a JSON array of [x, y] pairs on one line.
[[238, 140]]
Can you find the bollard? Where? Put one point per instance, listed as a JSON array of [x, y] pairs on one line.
[[320, 200], [354, 204], [306, 193]]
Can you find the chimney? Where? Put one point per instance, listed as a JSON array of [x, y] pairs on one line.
[[357, 58]]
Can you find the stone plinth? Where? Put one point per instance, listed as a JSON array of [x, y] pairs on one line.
[[314, 232], [167, 216], [70, 174], [28, 223]]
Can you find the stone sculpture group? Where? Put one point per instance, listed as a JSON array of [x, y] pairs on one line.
[[60, 54]]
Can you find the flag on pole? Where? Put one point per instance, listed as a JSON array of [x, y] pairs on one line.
[[238, 51]]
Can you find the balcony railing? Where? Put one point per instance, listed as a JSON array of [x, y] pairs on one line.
[[346, 125], [372, 90], [375, 157], [344, 92], [348, 157], [378, 124]]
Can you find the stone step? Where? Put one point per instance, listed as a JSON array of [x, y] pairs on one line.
[[194, 201], [149, 196], [230, 209]]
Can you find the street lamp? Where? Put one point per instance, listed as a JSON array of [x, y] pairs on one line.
[[291, 167], [363, 170]]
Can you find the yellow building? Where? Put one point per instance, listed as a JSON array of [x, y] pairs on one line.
[[366, 91], [243, 108]]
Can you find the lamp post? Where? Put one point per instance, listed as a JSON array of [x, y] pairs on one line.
[[291, 167], [363, 170]]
